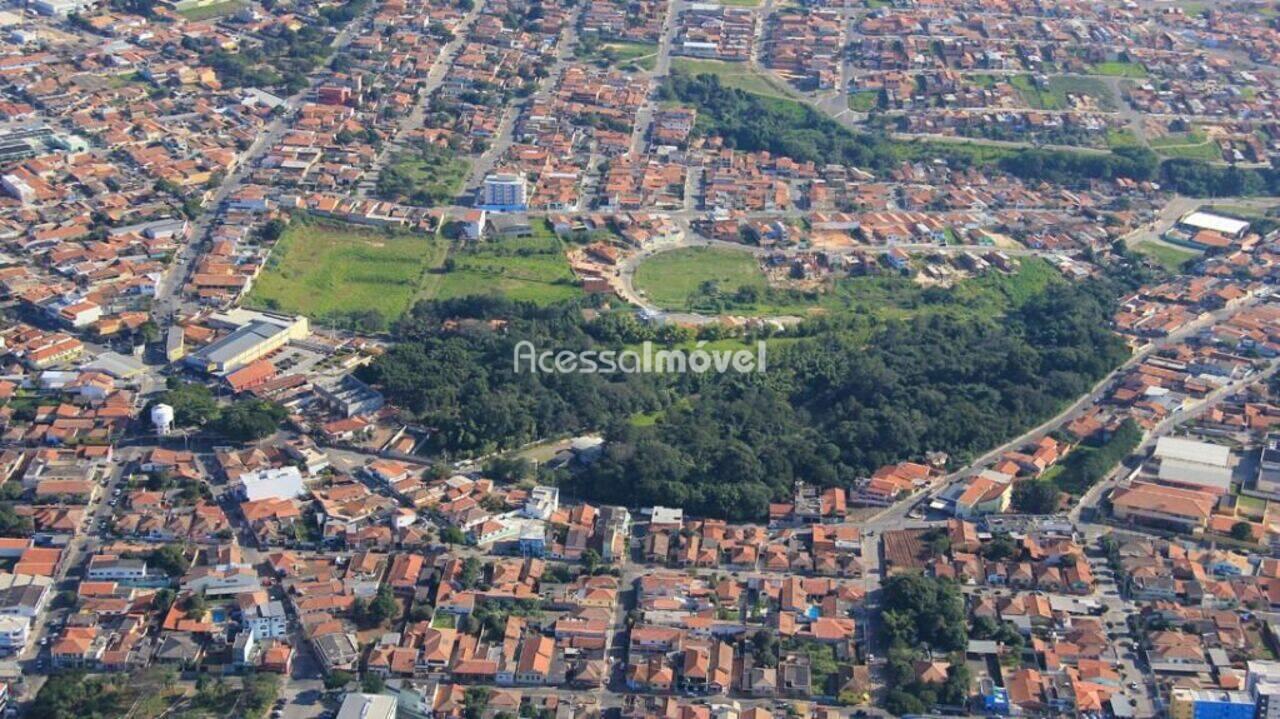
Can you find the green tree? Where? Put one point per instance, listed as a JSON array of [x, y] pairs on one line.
[[337, 679], [383, 607], [1242, 531], [261, 691], [591, 561], [193, 404], [475, 700], [372, 684], [170, 559], [508, 469], [250, 419], [195, 605], [1036, 496], [917, 609]]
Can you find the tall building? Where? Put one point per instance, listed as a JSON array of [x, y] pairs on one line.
[[1263, 684], [505, 192]]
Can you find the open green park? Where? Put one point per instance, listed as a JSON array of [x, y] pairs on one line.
[[1053, 93], [529, 269], [330, 270], [706, 279], [212, 10], [327, 269], [737, 75], [1167, 256]]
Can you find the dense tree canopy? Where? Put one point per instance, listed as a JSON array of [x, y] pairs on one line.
[[837, 407], [459, 377], [243, 420], [753, 122], [851, 396], [75, 695], [921, 610], [1200, 179]]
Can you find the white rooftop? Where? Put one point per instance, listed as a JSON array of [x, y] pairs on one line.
[[275, 483], [1189, 450], [1217, 223]]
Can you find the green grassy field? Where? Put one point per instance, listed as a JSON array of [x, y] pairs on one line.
[[668, 279], [1209, 152], [731, 281], [1121, 137], [1244, 212], [1120, 69], [624, 53], [1054, 95], [322, 268], [926, 150], [214, 10], [425, 176], [732, 74], [532, 269], [1194, 136], [1192, 145], [864, 100], [1168, 257]]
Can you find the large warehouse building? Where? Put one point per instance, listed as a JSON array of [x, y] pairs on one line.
[[1190, 464], [1229, 227], [253, 335]]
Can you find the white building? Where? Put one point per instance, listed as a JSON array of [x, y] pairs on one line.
[[109, 568], [272, 483], [15, 632], [1194, 465], [162, 418], [666, 516], [1267, 482], [505, 191], [542, 503], [24, 595], [266, 621], [1228, 226], [367, 706], [1263, 683], [61, 8], [18, 188]]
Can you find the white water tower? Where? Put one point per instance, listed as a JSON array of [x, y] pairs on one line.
[[162, 418]]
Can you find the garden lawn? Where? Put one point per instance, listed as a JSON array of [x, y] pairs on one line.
[[424, 176], [669, 279], [1169, 257], [321, 268], [1054, 95], [1121, 137], [213, 10], [1120, 69], [864, 100], [723, 280], [732, 74], [529, 269], [1193, 145], [644, 55]]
